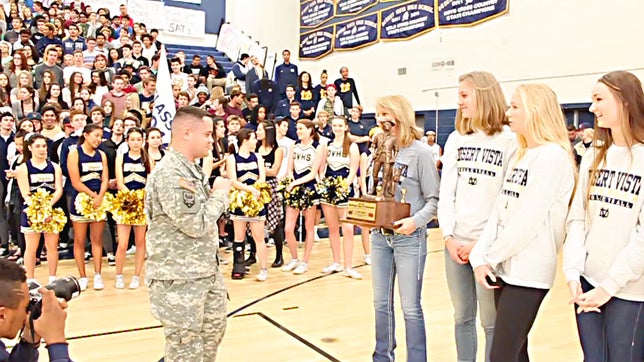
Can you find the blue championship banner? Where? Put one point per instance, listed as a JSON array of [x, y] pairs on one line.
[[357, 33], [316, 44], [452, 13], [407, 21], [315, 12], [352, 7]]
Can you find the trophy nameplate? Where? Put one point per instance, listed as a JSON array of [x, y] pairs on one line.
[[376, 211]]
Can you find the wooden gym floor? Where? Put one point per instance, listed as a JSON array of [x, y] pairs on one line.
[[312, 317]]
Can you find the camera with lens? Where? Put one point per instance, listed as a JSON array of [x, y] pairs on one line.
[[66, 288]]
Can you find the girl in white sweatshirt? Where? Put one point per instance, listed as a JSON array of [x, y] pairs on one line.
[[604, 250], [517, 251], [476, 158]]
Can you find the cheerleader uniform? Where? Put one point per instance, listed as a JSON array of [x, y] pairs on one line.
[[38, 179], [90, 169], [303, 157], [247, 172], [338, 165], [274, 208], [134, 173]]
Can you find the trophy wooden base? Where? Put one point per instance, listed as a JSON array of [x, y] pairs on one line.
[[376, 212]]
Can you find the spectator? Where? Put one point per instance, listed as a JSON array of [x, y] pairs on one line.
[[116, 96], [240, 68], [285, 73], [346, 88], [255, 73], [49, 38], [51, 56], [23, 41], [587, 135]]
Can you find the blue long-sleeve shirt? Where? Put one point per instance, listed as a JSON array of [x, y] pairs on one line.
[[25, 352], [67, 145], [268, 96], [285, 74], [238, 71], [346, 90]]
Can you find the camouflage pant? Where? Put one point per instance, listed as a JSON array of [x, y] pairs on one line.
[[193, 314]]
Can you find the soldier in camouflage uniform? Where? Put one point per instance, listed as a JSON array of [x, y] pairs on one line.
[[186, 289]]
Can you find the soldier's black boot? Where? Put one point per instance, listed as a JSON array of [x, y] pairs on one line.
[[278, 237], [239, 266]]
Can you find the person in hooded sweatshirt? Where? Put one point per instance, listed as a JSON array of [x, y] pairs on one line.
[[516, 254], [604, 250]]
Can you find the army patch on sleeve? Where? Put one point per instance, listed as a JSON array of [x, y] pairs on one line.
[[188, 199]]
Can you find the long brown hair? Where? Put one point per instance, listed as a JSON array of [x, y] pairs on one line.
[[346, 141], [311, 126], [627, 89], [145, 159], [490, 105]]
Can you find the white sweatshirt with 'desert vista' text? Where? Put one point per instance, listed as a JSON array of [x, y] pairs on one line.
[[526, 227], [473, 169], [605, 242]]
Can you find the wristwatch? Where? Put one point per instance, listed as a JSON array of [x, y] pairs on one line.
[[446, 237]]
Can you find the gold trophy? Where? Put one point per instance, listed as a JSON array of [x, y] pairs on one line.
[[380, 210]]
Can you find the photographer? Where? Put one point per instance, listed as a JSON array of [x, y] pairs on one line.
[[14, 302]]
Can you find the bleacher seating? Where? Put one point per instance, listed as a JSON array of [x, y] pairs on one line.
[[202, 51]]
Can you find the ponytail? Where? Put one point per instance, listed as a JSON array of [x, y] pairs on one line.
[[87, 130]]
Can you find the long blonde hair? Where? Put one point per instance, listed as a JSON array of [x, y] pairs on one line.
[[490, 105], [545, 122], [403, 113]]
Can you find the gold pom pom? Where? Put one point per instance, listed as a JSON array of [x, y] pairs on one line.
[[249, 204], [85, 205], [42, 217], [127, 208]]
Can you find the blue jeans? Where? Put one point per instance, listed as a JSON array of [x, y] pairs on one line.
[[615, 334], [403, 255], [465, 292]]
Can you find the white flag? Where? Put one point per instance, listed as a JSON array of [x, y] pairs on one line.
[[164, 106]]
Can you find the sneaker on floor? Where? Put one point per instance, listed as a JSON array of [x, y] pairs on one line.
[[263, 274], [120, 282], [270, 243], [316, 237], [301, 269], [87, 257], [229, 248], [51, 279], [62, 246], [367, 259], [134, 284], [131, 251], [111, 260], [98, 282], [291, 265], [351, 273], [83, 283], [333, 268]]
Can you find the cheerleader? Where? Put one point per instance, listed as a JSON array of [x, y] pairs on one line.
[[604, 250], [88, 174], [516, 254], [132, 169], [38, 173], [272, 154], [154, 144], [470, 178], [248, 169], [303, 165], [342, 159]]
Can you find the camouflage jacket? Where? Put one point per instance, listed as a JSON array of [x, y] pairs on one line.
[[182, 238]]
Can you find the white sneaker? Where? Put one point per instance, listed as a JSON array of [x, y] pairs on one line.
[[111, 260], [120, 282], [131, 251], [52, 279], [134, 284], [316, 237], [263, 274], [351, 273], [301, 269], [367, 259], [98, 282], [83, 283], [291, 265], [333, 268]]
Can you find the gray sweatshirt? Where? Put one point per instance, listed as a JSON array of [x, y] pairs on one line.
[[415, 170], [527, 225], [605, 242]]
